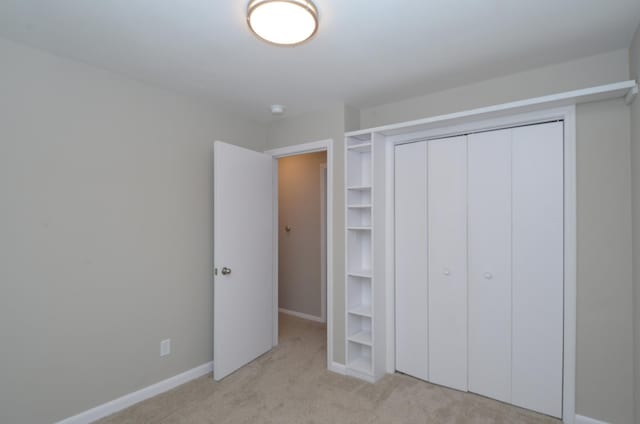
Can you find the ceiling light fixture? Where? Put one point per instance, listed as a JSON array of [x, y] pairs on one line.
[[282, 22]]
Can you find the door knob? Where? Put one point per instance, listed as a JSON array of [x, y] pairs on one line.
[[446, 272], [226, 271], [486, 275]]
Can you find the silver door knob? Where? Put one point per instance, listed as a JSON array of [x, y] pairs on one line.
[[226, 271], [446, 272], [486, 275]]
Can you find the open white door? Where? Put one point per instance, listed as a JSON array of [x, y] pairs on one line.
[[243, 236]]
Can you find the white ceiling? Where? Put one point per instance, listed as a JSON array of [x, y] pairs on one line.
[[366, 52]]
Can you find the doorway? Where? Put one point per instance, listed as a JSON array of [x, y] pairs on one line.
[[292, 295], [301, 236]]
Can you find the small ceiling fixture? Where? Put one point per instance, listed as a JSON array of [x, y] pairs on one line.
[[277, 110], [282, 22]]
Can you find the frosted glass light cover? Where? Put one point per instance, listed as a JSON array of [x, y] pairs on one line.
[[284, 22]]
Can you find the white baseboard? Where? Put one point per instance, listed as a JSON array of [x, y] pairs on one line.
[[130, 399], [126, 401], [580, 419], [337, 368], [301, 315]]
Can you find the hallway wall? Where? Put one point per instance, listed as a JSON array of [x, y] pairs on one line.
[[299, 250]]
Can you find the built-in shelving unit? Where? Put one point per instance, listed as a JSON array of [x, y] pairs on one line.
[[362, 334]]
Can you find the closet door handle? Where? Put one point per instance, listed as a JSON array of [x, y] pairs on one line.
[[226, 271], [487, 275], [446, 272]]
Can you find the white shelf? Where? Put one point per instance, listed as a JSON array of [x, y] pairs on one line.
[[362, 337], [360, 138], [360, 273], [601, 92], [362, 147], [359, 214], [361, 310], [362, 365]]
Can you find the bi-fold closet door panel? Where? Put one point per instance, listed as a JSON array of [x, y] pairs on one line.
[[411, 259], [516, 265], [447, 241], [431, 263], [538, 267], [489, 219]]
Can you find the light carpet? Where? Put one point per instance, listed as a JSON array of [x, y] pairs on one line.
[[291, 385]]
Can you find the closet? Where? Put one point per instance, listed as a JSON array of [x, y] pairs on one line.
[[479, 271]]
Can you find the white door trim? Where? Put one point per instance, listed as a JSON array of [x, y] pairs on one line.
[[567, 114], [311, 147], [323, 242]]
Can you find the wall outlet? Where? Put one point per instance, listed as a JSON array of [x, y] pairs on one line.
[[165, 347]]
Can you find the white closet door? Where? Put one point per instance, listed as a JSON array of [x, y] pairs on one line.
[[538, 268], [447, 229], [489, 186], [411, 259]]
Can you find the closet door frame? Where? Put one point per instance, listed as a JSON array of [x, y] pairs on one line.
[[457, 127]]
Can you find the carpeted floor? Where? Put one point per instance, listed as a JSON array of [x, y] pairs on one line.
[[290, 385]]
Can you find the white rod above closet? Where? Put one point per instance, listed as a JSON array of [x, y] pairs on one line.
[[626, 89]]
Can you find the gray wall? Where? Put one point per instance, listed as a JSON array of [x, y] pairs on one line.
[[587, 72], [604, 377], [105, 222], [324, 124], [634, 62], [299, 250]]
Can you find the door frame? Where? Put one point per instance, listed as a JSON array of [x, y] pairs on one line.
[[568, 115], [324, 196], [298, 149]]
